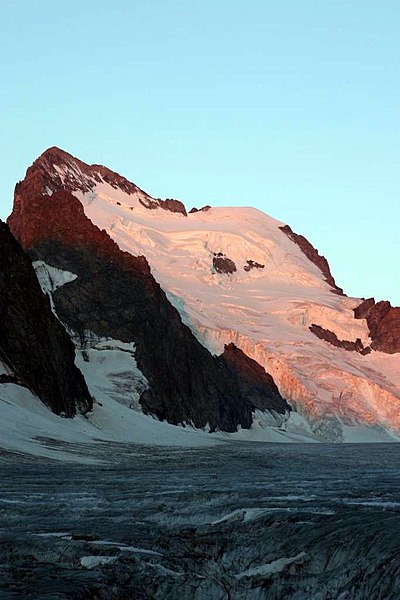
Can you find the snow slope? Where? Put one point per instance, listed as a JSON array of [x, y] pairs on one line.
[[28, 428], [266, 311]]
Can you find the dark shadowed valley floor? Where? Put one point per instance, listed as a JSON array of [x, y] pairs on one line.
[[243, 521]]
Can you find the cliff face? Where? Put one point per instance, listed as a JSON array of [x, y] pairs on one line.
[[255, 384], [383, 322], [33, 343], [115, 295]]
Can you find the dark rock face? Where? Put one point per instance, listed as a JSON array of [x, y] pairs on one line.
[[202, 209], [313, 256], [175, 206], [115, 295], [362, 309], [33, 343], [255, 384], [223, 265], [383, 322], [331, 337], [149, 203], [251, 264], [6, 378]]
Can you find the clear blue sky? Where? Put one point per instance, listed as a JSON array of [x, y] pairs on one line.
[[290, 106]]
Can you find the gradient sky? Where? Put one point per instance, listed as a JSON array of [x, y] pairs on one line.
[[290, 106]]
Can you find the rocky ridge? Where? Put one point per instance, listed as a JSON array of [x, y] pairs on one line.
[[313, 255], [331, 337]]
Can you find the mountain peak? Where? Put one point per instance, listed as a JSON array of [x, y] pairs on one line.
[[52, 160], [56, 154], [60, 170], [57, 170], [235, 275]]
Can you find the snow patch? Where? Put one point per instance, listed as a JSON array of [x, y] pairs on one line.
[[51, 278], [110, 369], [4, 370], [276, 566], [90, 562]]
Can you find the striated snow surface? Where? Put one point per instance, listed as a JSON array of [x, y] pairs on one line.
[[243, 521]]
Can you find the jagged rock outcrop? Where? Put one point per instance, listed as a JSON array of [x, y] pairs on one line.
[[223, 265], [173, 205], [361, 311], [332, 338], [313, 255], [205, 208], [252, 264], [33, 343], [115, 295], [383, 322]]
